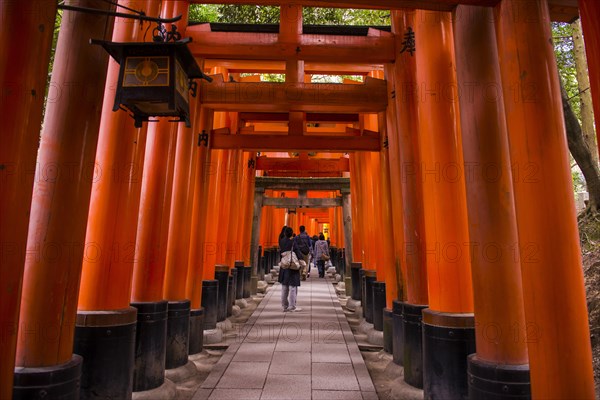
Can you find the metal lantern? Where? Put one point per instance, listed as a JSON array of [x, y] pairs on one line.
[[155, 78]]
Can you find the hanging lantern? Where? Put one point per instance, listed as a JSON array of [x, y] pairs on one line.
[[155, 78]]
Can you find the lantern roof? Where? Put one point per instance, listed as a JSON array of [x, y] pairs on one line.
[[119, 51]]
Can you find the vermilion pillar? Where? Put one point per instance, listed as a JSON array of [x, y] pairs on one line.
[[194, 275], [151, 245], [553, 287], [497, 287], [444, 203], [391, 278], [111, 229], [409, 179], [248, 204], [216, 175], [395, 191], [61, 195], [202, 124], [589, 11], [356, 216], [178, 241], [23, 74], [405, 157], [149, 267]]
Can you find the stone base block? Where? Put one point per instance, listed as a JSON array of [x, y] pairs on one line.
[[261, 287], [352, 304], [167, 390], [182, 373], [375, 337], [241, 303], [235, 311], [225, 325], [365, 327], [212, 336]]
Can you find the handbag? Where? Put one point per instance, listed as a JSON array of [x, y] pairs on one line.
[[324, 255], [289, 259]]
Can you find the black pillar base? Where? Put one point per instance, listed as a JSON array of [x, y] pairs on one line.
[[196, 331], [230, 295], [239, 287], [413, 344], [222, 276], [370, 276], [106, 341], [379, 301], [48, 383], [489, 381], [398, 332], [448, 339], [150, 345], [210, 294], [178, 331], [388, 334], [247, 281], [355, 269]]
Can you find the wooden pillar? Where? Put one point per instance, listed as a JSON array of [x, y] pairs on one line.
[[210, 248], [61, 195], [151, 248], [409, 179], [230, 197], [23, 74], [395, 190], [111, 230], [445, 210], [248, 204], [347, 221], [179, 225], [198, 217], [391, 278], [497, 287], [216, 198], [356, 244], [202, 125], [290, 31], [256, 218], [553, 287], [589, 11], [148, 274], [178, 232]]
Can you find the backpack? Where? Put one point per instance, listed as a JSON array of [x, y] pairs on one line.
[[302, 245]]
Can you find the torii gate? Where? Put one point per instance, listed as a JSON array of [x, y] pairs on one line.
[[302, 185]]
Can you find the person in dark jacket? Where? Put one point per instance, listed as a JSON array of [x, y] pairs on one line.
[[303, 243], [289, 278]]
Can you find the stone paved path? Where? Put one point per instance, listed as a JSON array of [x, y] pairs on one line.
[[309, 354]]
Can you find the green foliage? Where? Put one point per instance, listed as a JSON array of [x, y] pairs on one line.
[[564, 50], [345, 16], [204, 12], [245, 14], [335, 78], [578, 180]]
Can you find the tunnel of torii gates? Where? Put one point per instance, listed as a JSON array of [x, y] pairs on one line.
[[112, 236]]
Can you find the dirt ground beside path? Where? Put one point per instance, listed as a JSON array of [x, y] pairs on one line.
[[388, 377]]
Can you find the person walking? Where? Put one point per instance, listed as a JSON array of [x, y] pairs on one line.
[[321, 254], [303, 244], [289, 277]]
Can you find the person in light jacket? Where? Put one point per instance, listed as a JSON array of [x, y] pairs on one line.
[[321, 248]]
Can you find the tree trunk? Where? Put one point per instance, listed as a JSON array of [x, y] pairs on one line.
[[583, 79], [581, 153]]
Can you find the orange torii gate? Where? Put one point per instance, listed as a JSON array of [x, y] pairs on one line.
[[513, 48]]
